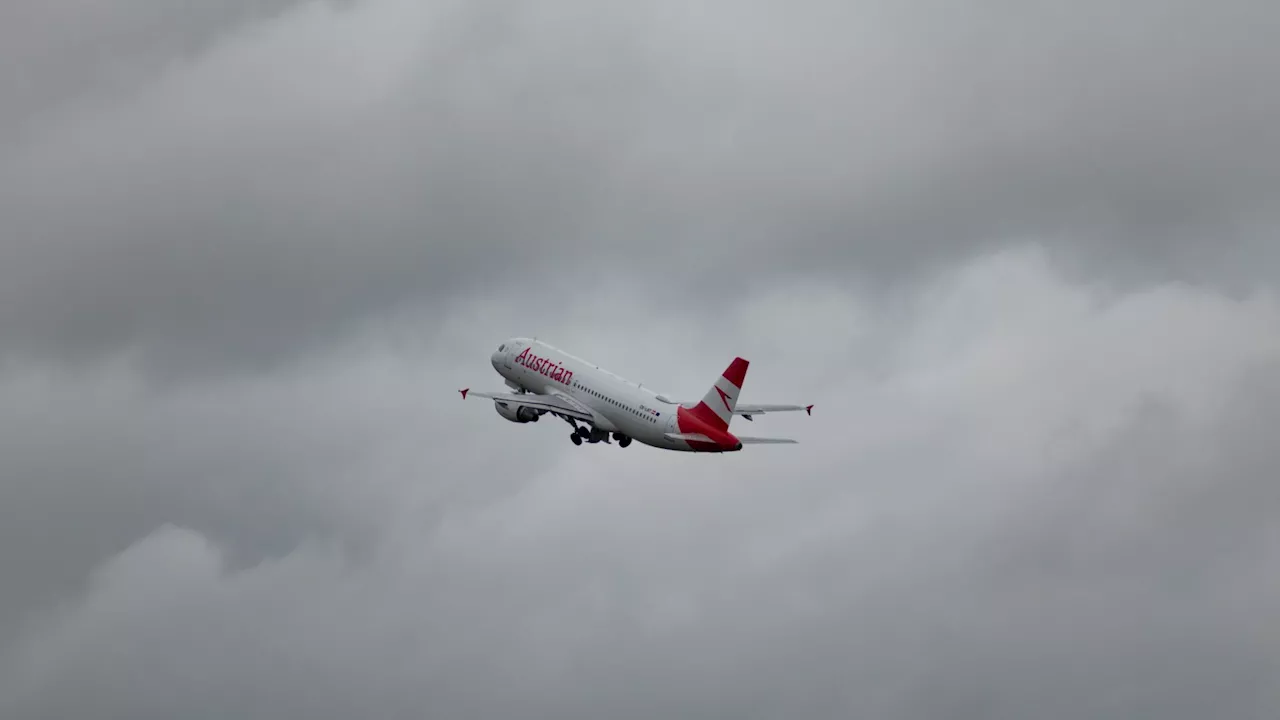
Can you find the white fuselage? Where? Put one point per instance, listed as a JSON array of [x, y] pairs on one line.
[[619, 405]]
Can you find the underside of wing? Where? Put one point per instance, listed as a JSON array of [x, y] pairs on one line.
[[765, 441], [550, 403]]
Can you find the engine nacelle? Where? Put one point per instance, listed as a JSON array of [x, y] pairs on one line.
[[517, 413]]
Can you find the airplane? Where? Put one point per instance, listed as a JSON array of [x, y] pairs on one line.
[[546, 379]]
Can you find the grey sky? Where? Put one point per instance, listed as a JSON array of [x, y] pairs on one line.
[[1022, 256]]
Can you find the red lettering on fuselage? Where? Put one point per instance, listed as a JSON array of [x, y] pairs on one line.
[[545, 366]]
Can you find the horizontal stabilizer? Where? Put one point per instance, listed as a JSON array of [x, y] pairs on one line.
[[699, 437], [749, 411], [688, 437], [761, 409]]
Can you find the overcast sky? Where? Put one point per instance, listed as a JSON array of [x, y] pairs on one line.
[[1024, 257]]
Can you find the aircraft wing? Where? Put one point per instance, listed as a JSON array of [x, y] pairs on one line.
[[558, 404]]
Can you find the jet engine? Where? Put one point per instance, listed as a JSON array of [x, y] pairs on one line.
[[517, 413]]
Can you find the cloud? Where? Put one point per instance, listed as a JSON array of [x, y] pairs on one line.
[[1050, 501], [282, 182], [1022, 259], [57, 55]]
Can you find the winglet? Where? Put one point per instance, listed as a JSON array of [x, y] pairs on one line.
[[464, 392], [808, 409]]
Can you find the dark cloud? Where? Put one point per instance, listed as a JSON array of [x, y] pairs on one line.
[[292, 179], [55, 55], [1021, 257]]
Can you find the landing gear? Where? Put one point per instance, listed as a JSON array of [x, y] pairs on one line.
[[582, 433]]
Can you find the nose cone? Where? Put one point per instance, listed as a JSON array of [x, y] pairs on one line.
[[496, 360]]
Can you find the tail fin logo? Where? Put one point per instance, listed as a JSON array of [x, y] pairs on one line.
[[724, 393], [724, 398]]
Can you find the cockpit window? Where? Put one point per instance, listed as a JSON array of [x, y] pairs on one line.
[[502, 347]]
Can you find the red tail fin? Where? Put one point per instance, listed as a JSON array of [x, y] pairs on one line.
[[716, 407]]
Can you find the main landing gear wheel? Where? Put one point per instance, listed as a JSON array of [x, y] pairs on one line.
[[576, 438], [625, 441]]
